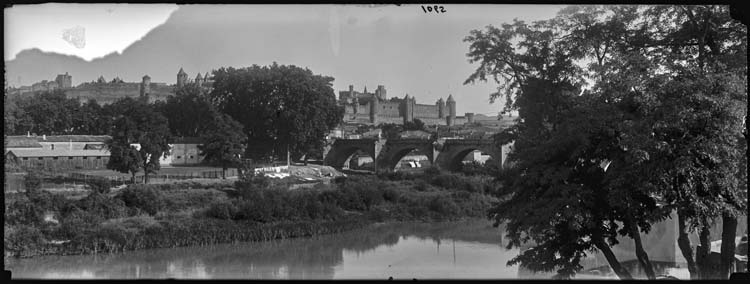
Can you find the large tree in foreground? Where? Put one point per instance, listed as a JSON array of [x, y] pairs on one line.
[[658, 131], [140, 137], [283, 108], [224, 142]]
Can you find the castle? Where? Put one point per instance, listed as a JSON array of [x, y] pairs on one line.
[[375, 108], [107, 92]]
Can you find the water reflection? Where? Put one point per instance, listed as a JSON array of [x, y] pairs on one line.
[[469, 249]]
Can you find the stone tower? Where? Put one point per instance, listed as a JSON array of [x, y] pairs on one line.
[[451, 104], [470, 117], [199, 80], [181, 78], [380, 92], [441, 108], [374, 105], [408, 106], [64, 81], [145, 88]]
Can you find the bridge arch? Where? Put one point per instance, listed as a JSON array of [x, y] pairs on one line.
[[343, 149], [395, 150], [452, 155]]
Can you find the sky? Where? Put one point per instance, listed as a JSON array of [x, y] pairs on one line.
[[402, 47]]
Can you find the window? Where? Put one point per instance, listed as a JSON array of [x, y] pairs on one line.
[[85, 158], [98, 158], [70, 158], [40, 158], [179, 157], [191, 156], [54, 158], [24, 158], [53, 146]]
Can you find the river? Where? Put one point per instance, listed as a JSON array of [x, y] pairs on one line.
[[458, 250]]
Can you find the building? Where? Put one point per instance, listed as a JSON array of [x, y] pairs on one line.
[[66, 152], [106, 92], [375, 108], [185, 151], [61, 159]]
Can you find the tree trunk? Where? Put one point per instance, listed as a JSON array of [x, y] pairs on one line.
[[703, 252], [728, 246], [224, 172], [621, 272], [132, 178], [639, 251], [145, 177], [683, 241]]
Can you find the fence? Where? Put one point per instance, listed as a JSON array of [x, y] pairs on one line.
[[118, 180]]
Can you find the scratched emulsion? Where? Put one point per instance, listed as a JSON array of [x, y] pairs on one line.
[[76, 36]]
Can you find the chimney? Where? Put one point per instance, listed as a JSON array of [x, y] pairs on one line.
[[28, 134]]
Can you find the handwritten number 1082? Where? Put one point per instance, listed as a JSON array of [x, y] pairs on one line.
[[436, 9]]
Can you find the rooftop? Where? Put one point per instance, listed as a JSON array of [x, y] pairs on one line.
[[58, 153]]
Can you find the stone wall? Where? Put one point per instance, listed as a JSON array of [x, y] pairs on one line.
[[109, 93], [425, 111], [390, 109]]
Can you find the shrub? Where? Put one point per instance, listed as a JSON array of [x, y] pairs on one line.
[[23, 211], [143, 197], [224, 210], [103, 205], [444, 205], [23, 240], [391, 195], [100, 185]]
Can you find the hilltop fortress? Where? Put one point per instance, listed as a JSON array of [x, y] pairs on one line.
[[375, 108], [107, 92]]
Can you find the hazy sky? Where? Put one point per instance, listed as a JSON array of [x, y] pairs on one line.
[[401, 47]]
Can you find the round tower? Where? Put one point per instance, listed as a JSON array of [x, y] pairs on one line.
[[181, 78], [145, 88], [374, 104], [451, 104], [441, 108], [199, 79]]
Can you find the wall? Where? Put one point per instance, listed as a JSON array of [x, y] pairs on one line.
[[390, 109], [426, 111], [109, 93], [185, 154], [65, 163]]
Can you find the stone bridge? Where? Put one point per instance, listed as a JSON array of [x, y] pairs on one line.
[[445, 154]]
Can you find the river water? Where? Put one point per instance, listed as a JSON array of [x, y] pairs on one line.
[[458, 250]]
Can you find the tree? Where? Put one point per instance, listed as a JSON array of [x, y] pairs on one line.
[[656, 76], [414, 125], [391, 130], [48, 113], [138, 124], [189, 111], [224, 142], [90, 119], [282, 108]]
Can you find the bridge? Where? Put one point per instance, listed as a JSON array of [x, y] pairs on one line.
[[445, 154]]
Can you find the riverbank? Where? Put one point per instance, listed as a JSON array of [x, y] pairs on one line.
[[256, 209]]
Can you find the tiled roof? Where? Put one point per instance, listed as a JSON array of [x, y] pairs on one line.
[[73, 138], [22, 142], [58, 153]]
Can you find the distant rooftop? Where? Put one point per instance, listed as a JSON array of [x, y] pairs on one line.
[[58, 153]]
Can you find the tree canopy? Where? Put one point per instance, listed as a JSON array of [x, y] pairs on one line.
[[282, 107], [626, 113], [137, 123]]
